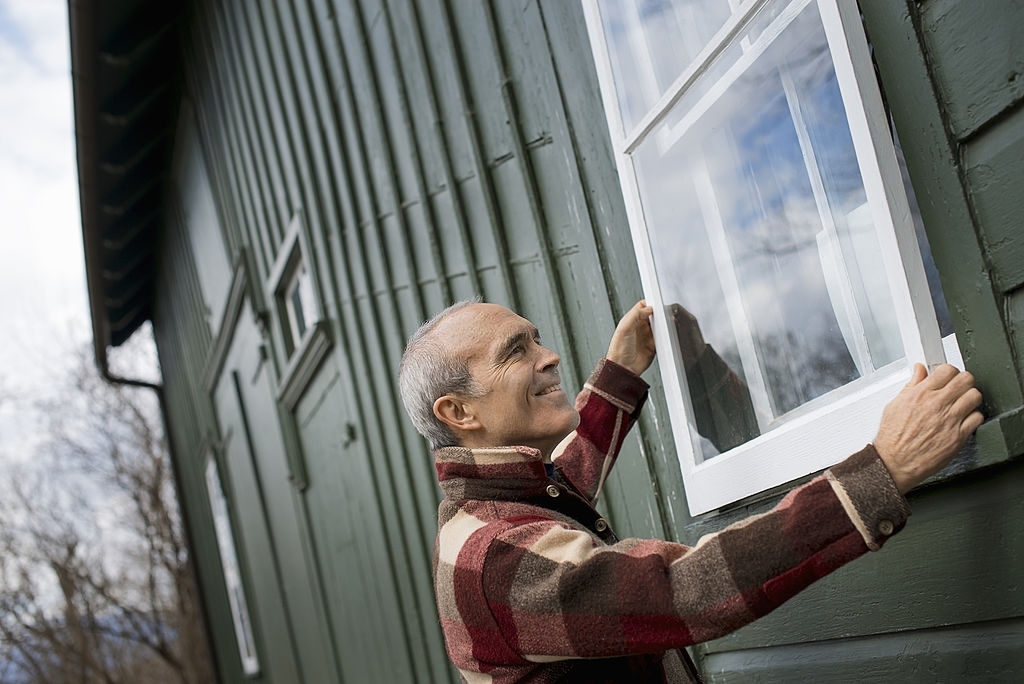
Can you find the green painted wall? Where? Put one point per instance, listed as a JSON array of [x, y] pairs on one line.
[[437, 149]]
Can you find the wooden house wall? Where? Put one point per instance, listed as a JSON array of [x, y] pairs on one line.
[[436, 151], [439, 149]]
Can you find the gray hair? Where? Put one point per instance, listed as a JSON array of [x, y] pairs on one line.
[[430, 370]]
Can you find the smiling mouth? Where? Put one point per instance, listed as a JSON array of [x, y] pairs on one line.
[[549, 390]]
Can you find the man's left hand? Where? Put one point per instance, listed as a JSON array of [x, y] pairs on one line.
[[632, 345]]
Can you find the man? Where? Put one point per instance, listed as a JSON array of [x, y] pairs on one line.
[[533, 586]]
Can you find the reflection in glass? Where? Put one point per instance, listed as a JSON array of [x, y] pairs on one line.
[[651, 41], [299, 302], [761, 231], [232, 574]]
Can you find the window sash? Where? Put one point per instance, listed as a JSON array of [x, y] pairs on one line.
[[292, 287], [298, 301], [231, 571], [815, 438]]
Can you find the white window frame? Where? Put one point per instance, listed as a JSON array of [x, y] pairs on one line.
[[303, 316], [292, 270], [822, 433], [240, 615]]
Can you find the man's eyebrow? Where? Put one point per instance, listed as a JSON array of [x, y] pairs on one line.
[[514, 339]]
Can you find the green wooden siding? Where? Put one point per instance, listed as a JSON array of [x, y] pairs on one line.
[[437, 151], [951, 72], [440, 149]]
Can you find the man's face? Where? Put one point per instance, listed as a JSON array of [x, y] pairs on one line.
[[523, 403]]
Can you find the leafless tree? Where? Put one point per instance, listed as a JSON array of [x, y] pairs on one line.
[[95, 580]]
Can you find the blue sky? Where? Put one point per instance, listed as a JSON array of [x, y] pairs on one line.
[[42, 274]]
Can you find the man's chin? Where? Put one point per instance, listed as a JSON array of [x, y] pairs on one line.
[[570, 431]]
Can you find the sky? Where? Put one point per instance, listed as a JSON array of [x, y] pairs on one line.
[[43, 309]]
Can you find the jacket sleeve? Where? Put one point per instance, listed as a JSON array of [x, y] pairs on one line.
[[608, 406], [556, 592]]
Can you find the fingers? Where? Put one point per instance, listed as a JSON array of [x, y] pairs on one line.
[[967, 406], [639, 314], [946, 374], [971, 423], [962, 396], [632, 316], [920, 374], [967, 401], [947, 380], [962, 384], [941, 376], [642, 310]]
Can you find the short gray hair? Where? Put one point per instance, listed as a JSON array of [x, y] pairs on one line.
[[430, 370]]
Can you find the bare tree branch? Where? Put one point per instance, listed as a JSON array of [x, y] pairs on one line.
[[95, 582]]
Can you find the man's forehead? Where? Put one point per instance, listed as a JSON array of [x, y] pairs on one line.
[[476, 328]]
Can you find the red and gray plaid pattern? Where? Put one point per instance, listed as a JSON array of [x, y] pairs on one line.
[[527, 593]]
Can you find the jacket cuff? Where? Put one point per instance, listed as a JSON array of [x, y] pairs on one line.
[[620, 387], [870, 497]]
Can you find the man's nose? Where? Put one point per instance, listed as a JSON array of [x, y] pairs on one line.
[[549, 359]]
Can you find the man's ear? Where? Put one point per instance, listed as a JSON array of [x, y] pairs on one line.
[[456, 413]]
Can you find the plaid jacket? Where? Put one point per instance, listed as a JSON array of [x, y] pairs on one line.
[[533, 586]]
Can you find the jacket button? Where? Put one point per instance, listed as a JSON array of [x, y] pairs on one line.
[[886, 527], [600, 524], [553, 491]]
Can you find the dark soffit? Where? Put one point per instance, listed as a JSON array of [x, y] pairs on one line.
[[125, 79]]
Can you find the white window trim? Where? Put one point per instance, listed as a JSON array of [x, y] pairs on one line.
[[813, 437], [292, 255], [300, 355], [305, 307], [230, 570]]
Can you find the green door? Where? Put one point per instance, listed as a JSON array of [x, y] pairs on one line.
[[264, 507]]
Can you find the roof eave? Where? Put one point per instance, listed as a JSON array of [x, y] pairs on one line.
[[84, 51]]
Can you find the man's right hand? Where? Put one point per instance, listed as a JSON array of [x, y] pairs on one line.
[[927, 423], [632, 344]]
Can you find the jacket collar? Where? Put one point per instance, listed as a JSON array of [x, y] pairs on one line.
[[504, 473]]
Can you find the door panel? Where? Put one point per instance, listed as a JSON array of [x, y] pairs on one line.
[[287, 613]]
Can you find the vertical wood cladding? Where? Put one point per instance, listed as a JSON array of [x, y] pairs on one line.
[[438, 150], [443, 149], [952, 72]]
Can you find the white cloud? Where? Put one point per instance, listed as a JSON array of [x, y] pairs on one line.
[[42, 272], [41, 263]]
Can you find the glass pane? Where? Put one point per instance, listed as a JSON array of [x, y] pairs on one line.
[[651, 42], [306, 297], [763, 241], [232, 574], [295, 308], [299, 303]]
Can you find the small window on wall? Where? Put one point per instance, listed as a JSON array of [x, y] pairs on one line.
[[293, 288], [232, 575], [298, 301], [772, 228]]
